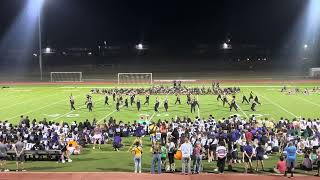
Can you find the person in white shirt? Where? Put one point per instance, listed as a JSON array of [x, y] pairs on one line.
[[221, 155], [186, 150]]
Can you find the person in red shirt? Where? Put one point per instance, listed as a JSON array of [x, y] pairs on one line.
[[248, 136], [281, 166]]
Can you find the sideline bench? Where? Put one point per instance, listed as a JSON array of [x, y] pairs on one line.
[[37, 155]]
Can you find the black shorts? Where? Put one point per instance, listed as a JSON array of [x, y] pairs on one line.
[[20, 158], [234, 155], [260, 158], [229, 156], [246, 159], [241, 148], [213, 147]]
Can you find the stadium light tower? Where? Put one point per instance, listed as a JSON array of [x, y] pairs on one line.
[[39, 5], [139, 46], [305, 46], [225, 46]]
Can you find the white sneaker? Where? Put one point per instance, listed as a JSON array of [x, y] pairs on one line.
[[140, 172], [63, 161], [23, 170], [69, 160], [135, 172], [6, 170]]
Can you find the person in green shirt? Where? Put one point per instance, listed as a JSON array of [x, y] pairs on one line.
[[164, 154]]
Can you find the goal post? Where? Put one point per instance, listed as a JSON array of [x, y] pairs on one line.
[[135, 78], [314, 72], [66, 76]]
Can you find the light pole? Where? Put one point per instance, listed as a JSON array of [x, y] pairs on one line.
[[40, 46]]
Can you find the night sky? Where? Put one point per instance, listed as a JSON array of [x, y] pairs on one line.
[[87, 22]]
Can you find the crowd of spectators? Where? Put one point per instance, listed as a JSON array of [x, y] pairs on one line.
[[158, 90], [229, 140]]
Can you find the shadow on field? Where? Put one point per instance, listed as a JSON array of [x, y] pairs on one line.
[[43, 168], [114, 169], [90, 159]]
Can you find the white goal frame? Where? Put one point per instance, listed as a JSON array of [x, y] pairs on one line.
[[52, 79], [312, 72], [151, 78]]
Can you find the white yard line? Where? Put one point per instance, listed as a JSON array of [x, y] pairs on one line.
[[30, 100], [275, 104], [243, 112], [154, 113], [71, 111], [107, 115], [35, 110], [25, 113], [308, 101]]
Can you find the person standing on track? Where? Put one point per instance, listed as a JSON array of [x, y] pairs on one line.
[[247, 156], [3, 155], [137, 154], [19, 150], [318, 155], [71, 99], [186, 150], [221, 153], [291, 158], [156, 157]]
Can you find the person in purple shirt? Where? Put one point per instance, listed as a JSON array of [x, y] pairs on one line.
[[117, 142], [291, 158], [247, 156]]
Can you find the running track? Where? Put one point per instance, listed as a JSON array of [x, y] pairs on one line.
[[144, 176]]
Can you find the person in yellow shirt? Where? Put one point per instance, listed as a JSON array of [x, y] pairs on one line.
[[137, 154]]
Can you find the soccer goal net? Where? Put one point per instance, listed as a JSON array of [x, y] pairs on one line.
[[314, 72], [66, 76], [135, 78]]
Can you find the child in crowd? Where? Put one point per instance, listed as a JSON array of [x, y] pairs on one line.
[[164, 152], [281, 166]]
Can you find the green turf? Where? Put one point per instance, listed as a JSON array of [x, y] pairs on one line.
[[105, 159], [52, 102]]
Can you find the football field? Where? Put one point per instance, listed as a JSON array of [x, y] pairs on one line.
[[52, 102]]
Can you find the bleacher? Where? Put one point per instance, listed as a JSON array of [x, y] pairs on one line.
[[48, 155]]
